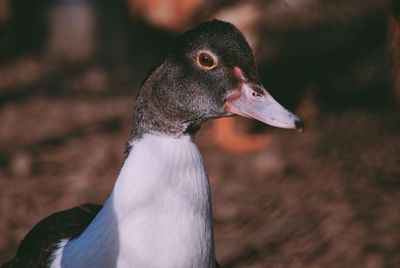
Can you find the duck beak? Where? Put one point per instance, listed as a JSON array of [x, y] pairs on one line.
[[253, 101]]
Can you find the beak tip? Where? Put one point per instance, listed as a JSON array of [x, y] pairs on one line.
[[299, 124]]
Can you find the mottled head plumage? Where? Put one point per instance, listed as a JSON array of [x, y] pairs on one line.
[[224, 39], [178, 95]]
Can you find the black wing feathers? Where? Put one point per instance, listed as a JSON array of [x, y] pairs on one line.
[[37, 247]]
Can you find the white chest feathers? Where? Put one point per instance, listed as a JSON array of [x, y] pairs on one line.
[[158, 215]]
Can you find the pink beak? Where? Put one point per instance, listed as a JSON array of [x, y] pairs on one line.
[[253, 101]]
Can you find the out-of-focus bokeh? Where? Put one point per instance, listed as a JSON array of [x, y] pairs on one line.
[[330, 197]]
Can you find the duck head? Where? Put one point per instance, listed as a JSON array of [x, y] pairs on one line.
[[210, 72]]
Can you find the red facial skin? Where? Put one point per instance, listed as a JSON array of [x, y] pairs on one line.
[[241, 78]]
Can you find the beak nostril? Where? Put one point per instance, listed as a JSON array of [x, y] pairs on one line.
[[256, 95]]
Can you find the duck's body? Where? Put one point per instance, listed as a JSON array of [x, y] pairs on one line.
[[158, 217], [159, 212]]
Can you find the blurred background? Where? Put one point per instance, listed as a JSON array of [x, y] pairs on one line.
[[330, 197]]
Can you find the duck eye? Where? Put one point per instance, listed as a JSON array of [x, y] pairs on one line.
[[206, 60]]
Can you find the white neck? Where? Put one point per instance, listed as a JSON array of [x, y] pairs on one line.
[[158, 215]]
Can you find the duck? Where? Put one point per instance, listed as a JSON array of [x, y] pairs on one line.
[[159, 212]]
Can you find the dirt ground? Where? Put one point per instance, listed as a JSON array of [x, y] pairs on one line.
[[329, 197]]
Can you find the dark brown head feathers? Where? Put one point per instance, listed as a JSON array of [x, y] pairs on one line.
[[179, 95]]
